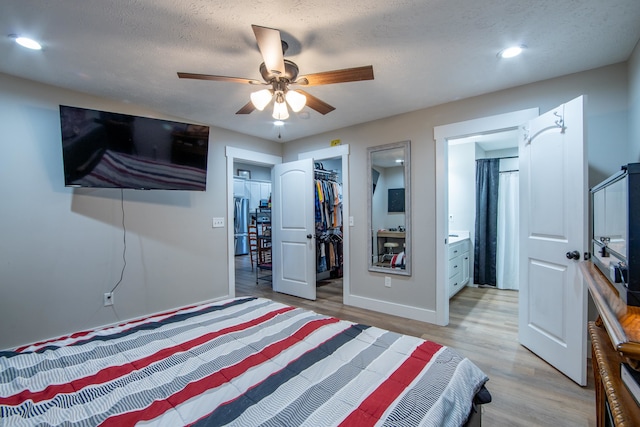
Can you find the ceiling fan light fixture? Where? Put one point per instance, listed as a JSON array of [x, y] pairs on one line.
[[280, 111], [261, 98], [296, 100]]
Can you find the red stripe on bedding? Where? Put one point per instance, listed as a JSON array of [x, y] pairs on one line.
[[374, 406], [113, 372], [218, 378]]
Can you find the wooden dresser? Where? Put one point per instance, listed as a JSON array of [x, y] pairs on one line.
[[615, 338]]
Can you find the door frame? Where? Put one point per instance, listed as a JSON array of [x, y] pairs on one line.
[[442, 134], [341, 151], [238, 154]]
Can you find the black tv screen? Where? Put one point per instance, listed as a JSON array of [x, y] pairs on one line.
[[102, 149]]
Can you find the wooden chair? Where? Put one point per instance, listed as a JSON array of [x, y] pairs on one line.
[[253, 244], [264, 259]]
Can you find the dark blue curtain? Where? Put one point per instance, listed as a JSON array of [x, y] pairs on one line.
[[487, 177]]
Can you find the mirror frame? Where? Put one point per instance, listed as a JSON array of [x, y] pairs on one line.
[[406, 145]]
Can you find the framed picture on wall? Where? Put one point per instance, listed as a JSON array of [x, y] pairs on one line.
[[396, 200], [242, 173]]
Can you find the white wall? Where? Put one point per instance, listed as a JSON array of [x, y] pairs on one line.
[[260, 173], [61, 249], [415, 296], [462, 188], [390, 178], [462, 192]]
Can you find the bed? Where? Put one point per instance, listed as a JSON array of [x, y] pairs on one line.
[[239, 362]]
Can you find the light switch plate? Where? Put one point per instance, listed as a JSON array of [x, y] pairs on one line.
[[218, 222], [350, 221]]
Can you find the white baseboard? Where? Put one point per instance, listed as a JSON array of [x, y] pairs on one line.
[[401, 310]]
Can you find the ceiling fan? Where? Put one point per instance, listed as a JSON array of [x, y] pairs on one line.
[[280, 74]]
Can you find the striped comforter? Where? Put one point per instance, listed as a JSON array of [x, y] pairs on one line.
[[240, 362]]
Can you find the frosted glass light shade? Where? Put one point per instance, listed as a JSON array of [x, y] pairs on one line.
[[261, 98], [280, 111], [296, 100]]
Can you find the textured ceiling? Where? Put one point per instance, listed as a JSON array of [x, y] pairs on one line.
[[423, 52]]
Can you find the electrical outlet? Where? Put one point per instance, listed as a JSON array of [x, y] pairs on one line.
[[108, 299], [387, 281], [218, 222]]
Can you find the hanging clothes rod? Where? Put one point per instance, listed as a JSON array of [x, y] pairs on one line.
[[325, 174], [512, 170]]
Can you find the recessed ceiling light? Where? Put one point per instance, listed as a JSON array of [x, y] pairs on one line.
[[26, 42], [511, 52]]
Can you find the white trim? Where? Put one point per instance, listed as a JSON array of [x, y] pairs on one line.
[[328, 153], [253, 156], [484, 125], [325, 153], [441, 135], [232, 154], [394, 309]]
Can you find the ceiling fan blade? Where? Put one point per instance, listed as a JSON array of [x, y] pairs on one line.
[[218, 78], [247, 108], [338, 76], [317, 104], [270, 46]]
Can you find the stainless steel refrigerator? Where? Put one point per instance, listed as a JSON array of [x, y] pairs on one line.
[[241, 225]]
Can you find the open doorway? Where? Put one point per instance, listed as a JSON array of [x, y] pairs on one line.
[[235, 185], [332, 236], [335, 271], [483, 210], [251, 223], [443, 134]]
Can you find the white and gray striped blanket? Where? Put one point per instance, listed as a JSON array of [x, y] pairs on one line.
[[240, 362]]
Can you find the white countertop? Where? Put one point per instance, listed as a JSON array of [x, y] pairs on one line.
[[457, 236]]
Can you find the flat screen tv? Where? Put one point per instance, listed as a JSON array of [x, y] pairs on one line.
[[102, 149]]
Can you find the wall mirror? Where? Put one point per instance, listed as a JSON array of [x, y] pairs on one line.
[[389, 203]]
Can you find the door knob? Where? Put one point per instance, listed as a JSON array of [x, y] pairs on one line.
[[573, 255], [309, 236]]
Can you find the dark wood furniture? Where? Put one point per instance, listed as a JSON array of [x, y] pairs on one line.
[[615, 338], [253, 244], [264, 258]]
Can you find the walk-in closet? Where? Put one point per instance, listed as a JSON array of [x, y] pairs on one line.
[[328, 221]]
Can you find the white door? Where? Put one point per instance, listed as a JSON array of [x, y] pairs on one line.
[[292, 227], [553, 218]]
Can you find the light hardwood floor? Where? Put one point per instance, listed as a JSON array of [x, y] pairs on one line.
[[483, 326]]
